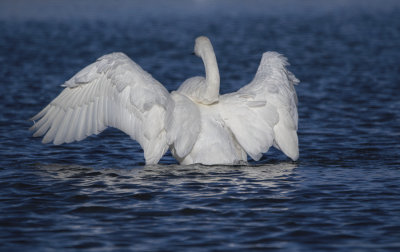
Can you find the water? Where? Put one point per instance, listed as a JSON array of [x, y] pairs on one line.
[[342, 194]]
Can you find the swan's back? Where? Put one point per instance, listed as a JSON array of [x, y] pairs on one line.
[[193, 88]]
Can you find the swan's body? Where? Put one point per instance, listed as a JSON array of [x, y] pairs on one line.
[[195, 122]]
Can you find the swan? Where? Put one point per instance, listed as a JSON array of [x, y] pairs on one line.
[[195, 122]]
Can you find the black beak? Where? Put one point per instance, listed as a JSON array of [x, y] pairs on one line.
[[193, 53]]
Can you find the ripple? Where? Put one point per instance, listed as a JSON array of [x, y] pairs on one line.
[[95, 210]]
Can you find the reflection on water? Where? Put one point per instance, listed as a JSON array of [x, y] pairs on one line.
[[171, 176]]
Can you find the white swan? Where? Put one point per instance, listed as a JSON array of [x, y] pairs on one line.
[[195, 122]]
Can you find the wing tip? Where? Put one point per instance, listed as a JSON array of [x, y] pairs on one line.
[[287, 141], [294, 156], [273, 57], [292, 151]]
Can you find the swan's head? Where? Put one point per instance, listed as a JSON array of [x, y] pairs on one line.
[[202, 45]]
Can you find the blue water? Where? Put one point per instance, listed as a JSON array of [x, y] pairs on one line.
[[342, 194]]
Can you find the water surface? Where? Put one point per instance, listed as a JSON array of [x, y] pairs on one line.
[[342, 194]]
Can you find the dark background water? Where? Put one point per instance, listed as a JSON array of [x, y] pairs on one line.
[[342, 194]]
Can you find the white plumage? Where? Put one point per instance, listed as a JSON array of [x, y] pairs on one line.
[[195, 122]]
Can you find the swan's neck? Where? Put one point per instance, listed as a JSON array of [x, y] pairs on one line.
[[212, 75]]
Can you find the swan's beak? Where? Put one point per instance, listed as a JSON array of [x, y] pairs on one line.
[[193, 53]]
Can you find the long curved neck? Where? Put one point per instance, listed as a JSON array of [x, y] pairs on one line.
[[212, 74]]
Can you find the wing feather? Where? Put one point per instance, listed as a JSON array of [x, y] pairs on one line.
[[80, 131], [57, 114], [43, 123], [251, 125], [183, 125], [113, 91], [70, 134], [60, 133]]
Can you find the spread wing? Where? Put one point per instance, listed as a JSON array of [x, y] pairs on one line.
[[264, 112], [113, 91]]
